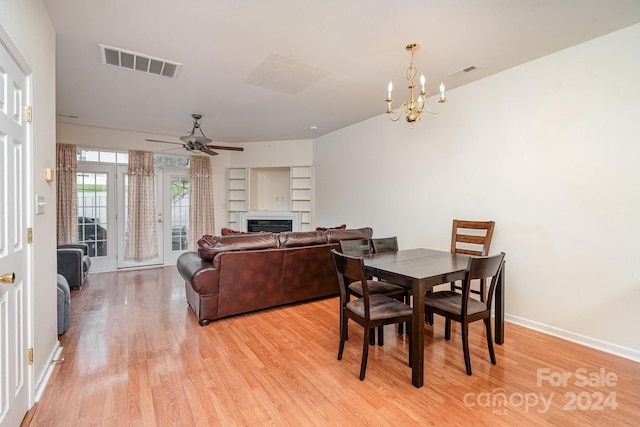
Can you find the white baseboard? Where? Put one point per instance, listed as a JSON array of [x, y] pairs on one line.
[[627, 353], [41, 384]]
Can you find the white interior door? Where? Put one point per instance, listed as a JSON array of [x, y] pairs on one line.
[[14, 251], [122, 183]]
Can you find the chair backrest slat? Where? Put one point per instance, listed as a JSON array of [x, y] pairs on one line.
[[474, 236]]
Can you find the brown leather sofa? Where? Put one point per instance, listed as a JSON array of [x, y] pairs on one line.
[[242, 273]]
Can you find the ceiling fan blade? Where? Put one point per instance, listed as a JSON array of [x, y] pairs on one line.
[[208, 150], [225, 147], [164, 142], [197, 145]]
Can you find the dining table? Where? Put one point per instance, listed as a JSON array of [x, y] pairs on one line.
[[420, 270]]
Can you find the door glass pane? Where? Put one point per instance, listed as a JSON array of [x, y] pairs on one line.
[[92, 212], [179, 213]]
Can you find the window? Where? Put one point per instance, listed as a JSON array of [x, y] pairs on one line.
[[118, 157]]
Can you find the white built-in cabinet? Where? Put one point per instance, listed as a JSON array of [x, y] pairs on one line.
[[270, 189]]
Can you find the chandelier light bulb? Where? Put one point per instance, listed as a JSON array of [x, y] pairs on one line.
[[422, 81], [390, 88]]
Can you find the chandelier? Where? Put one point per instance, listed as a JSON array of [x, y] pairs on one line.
[[413, 107]]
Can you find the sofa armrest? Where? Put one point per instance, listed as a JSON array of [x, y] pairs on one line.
[[83, 246], [70, 265], [200, 274], [63, 304]]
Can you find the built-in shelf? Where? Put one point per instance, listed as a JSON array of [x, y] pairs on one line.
[[237, 189], [301, 179], [270, 189]]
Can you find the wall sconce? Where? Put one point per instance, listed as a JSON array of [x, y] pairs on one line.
[[48, 174]]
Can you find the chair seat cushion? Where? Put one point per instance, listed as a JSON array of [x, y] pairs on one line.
[[376, 287], [451, 302], [380, 307]]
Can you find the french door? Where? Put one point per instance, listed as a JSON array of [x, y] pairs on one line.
[[102, 214], [96, 217], [176, 205], [171, 216], [121, 215]]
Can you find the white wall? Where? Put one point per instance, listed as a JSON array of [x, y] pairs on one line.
[[27, 24], [549, 150], [274, 154]]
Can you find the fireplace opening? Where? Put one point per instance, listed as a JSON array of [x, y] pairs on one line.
[[271, 225]]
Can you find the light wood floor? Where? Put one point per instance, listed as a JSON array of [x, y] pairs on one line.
[[135, 355]]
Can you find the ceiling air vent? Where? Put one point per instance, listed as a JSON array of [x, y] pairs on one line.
[[463, 71], [138, 62]]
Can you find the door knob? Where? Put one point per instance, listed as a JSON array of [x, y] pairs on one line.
[[160, 220], [8, 278]]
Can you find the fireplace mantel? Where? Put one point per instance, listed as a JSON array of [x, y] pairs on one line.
[[243, 217]]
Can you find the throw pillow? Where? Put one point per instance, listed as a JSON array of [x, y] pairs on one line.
[[229, 232], [340, 227]]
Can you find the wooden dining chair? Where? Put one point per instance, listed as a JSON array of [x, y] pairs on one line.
[[472, 238], [459, 307], [356, 247], [384, 244], [359, 248], [390, 244], [370, 311]]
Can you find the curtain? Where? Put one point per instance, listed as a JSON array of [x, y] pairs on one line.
[[67, 194], [142, 239], [201, 220]]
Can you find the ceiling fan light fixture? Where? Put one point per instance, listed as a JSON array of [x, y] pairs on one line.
[[188, 139], [192, 139]]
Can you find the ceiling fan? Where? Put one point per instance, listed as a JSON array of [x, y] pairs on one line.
[[193, 142]]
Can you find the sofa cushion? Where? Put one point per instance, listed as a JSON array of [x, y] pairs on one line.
[[210, 246], [292, 239], [335, 235]]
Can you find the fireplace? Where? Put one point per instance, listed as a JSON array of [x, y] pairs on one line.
[[274, 221], [272, 225]]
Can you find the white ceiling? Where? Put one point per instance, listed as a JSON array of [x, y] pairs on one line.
[[269, 70]]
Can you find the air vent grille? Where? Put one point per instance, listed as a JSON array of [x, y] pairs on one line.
[[138, 62], [463, 71]]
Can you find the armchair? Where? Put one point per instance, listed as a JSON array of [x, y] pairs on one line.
[[74, 263], [63, 303]]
